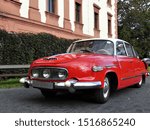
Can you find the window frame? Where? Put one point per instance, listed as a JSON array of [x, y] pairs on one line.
[[53, 4], [109, 2], [78, 12], [126, 43], [123, 47], [109, 24], [96, 16], [135, 53], [96, 20]]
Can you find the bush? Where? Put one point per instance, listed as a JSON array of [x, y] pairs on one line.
[[23, 48]]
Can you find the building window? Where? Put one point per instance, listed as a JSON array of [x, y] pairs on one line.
[[96, 17], [51, 6], [96, 20], [110, 25], [109, 2], [78, 12]]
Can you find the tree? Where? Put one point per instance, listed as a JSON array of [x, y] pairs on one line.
[[134, 24]]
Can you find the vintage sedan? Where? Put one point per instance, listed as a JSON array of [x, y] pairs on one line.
[[97, 66]]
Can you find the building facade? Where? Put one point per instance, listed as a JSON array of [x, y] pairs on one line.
[[71, 19]]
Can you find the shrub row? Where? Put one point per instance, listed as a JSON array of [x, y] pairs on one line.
[[23, 48]]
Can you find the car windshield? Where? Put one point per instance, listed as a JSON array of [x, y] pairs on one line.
[[95, 46]]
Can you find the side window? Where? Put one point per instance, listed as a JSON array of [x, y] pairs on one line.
[[129, 50], [120, 50], [135, 53]]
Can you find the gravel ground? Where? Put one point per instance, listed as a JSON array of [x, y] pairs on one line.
[[21, 100]]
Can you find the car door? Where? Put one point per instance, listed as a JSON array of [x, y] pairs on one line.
[[138, 67], [133, 64], [125, 61]]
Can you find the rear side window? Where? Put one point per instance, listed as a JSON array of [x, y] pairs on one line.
[[129, 50], [135, 53]]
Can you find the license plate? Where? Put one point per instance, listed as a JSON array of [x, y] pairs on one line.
[[39, 84]]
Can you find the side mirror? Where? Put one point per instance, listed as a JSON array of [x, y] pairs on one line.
[[147, 61]]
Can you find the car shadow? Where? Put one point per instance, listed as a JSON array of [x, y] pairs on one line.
[[78, 97]]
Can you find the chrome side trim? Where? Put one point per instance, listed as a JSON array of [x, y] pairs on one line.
[[131, 77]]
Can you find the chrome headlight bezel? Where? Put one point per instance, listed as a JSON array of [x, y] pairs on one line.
[[35, 73], [62, 74], [46, 73], [50, 73]]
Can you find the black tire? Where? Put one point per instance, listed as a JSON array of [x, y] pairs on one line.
[[47, 93], [139, 85], [102, 95]]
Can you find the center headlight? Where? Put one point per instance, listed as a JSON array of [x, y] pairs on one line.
[[46, 73], [62, 75], [35, 73]]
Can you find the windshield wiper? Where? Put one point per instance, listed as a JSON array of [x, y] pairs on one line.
[[86, 50]]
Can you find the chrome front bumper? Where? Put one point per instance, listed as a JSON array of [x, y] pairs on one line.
[[79, 85], [61, 85]]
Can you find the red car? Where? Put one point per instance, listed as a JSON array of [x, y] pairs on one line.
[[98, 65]]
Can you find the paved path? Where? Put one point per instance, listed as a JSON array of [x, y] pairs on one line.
[[30, 100]]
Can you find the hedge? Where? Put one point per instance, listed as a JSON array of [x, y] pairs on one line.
[[23, 48]]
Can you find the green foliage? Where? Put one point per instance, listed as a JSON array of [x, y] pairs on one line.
[[149, 68], [10, 83], [23, 48], [134, 24]]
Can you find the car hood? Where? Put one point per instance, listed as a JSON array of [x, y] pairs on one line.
[[61, 58], [64, 58]]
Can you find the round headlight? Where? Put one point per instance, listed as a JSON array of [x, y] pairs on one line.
[[61, 75], [35, 73], [46, 73]]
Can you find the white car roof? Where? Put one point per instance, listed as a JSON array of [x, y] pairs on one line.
[[111, 39]]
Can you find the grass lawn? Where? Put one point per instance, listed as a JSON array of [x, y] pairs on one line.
[[149, 68], [10, 83]]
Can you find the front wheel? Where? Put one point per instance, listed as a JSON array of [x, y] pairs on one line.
[[102, 95]]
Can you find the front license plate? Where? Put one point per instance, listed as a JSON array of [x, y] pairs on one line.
[[40, 84]]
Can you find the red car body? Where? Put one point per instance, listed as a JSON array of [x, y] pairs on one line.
[[99, 71]]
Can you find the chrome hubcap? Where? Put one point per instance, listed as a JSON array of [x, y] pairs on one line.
[[106, 88], [141, 81]]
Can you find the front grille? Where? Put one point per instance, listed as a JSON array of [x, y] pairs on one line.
[[54, 73]]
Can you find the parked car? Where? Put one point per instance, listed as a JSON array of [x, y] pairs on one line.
[[98, 65]]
